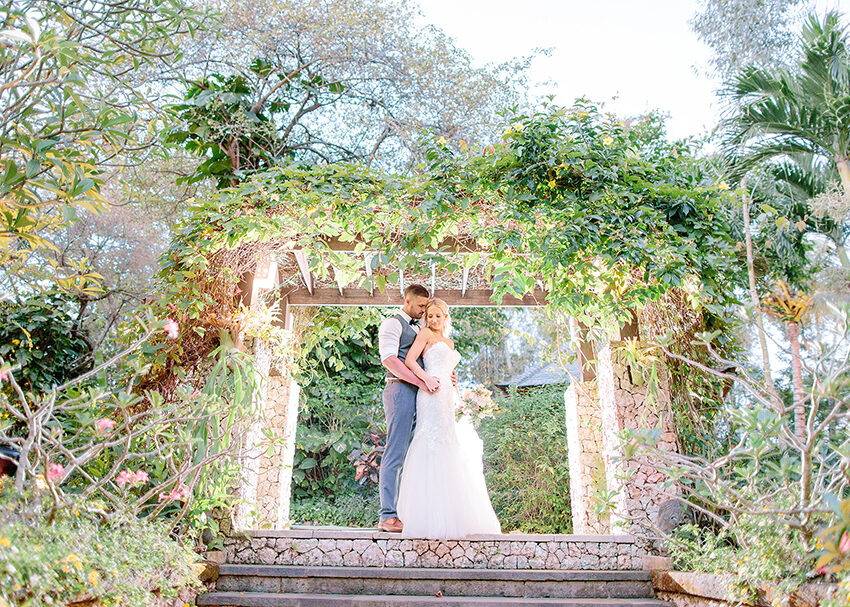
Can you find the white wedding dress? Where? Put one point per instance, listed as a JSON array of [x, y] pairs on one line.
[[442, 494]]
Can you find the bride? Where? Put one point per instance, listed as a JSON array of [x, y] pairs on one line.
[[442, 493]]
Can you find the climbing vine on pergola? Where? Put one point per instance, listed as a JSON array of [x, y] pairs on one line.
[[594, 215]]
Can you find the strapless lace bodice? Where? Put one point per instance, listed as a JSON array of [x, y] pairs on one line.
[[440, 359]]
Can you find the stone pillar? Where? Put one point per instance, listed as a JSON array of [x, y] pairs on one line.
[[587, 468], [268, 448], [268, 444], [245, 516], [626, 404]]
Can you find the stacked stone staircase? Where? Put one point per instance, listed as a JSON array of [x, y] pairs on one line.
[[356, 567]]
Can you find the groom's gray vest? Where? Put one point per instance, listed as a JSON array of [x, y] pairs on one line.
[[408, 335]]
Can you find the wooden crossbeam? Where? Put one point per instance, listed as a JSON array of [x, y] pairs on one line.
[[451, 243], [473, 298]]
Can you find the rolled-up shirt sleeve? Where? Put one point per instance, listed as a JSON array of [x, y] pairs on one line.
[[389, 338]]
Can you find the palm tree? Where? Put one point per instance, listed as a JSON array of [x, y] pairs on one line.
[[783, 115]]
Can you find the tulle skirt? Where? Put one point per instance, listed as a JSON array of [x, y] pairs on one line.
[[442, 493]]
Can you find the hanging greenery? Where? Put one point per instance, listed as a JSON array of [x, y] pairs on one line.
[[603, 215]]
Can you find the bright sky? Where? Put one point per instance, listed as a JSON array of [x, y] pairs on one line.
[[634, 55]]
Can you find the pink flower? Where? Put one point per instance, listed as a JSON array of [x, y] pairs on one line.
[[105, 425], [823, 570], [127, 477], [4, 376], [55, 472], [180, 493], [171, 328], [844, 543]]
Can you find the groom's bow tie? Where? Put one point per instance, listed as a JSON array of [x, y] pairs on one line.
[[414, 322]]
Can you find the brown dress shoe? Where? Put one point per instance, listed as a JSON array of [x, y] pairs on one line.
[[391, 525]]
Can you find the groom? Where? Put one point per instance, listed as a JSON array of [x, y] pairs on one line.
[[395, 337]]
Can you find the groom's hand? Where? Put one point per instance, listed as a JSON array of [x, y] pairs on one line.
[[432, 384]]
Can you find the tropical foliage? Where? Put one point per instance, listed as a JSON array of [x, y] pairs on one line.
[[525, 463], [294, 124], [41, 338], [74, 559], [67, 109], [797, 121]]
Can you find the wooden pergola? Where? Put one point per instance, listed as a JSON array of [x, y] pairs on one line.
[[297, 275], [289, 272]]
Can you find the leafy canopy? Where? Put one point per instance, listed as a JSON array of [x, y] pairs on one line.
[[602, 215], [351, 80], [69, 108]]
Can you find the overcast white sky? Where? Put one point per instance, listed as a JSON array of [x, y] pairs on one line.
[[634, 55]]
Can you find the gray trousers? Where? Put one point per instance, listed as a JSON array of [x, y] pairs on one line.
[[400, 409]]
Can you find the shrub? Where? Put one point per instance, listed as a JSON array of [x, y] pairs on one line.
[[126, 561], [341, 407], [135, 452], [753, 549], [525, 462], [780, 475], [351, 509], [40, 336]]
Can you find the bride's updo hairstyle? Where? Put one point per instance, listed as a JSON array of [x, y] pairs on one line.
[[439, 303]]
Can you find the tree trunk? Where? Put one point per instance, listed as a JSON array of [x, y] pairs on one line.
[[844, 172], [793, 330], [842, 255], [756, 303]]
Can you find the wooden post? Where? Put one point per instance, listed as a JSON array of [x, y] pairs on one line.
[[580, 335], [630, 330]]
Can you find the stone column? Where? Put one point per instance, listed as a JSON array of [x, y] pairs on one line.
[[268, 449], [268, 443], [587, 467], [626, 404]]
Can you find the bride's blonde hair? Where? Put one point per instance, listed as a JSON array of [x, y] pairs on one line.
[[439, 303]]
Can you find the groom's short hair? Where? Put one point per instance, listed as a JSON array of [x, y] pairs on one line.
[[416, 291]]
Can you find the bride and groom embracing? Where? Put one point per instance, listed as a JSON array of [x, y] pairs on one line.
[[431, 472]]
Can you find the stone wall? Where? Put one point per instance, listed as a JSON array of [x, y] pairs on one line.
[[364, 548], [587, 469], [626, 404]]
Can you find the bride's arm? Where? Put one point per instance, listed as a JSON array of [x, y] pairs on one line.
[[432, 384]]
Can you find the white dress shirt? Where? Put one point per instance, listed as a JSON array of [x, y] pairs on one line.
[[389, 335]]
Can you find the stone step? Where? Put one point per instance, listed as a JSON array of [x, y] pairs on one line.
[[268, 599], [348, 547], [526, 583]]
